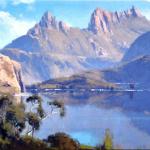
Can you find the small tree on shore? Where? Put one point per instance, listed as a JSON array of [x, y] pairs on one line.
[[37, 113], [108, 143]]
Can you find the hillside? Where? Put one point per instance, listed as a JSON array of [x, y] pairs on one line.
[[84, 81], [135, 71], [140, 47], [125, 73]]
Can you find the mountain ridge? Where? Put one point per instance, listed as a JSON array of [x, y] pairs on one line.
[[51, 49], [109, 79], [101, 19]]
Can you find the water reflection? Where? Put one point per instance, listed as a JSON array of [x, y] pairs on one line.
[[126, 114]]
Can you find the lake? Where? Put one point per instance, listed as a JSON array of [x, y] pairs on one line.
[[89, 114]]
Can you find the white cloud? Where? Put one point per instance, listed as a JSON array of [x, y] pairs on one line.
[[11, 27], [16, 2]]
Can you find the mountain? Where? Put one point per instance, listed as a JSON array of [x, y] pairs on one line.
[[140, 47], [10, 76], [136, 71], [124, 73], [52, 49], [102, 20]]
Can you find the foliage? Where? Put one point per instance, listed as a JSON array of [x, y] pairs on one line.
[[34, 121], [37, 113], [34, 99], [24, 143], [108, 143], [40, 111], [62, 141], [16, 117], [13, 119], [58, 105], [87, 147], [34, 117], [4, 143], [4, 103]]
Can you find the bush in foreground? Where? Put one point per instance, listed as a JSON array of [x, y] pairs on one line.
[[62, 141]]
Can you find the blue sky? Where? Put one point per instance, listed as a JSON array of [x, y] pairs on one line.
[[17, 16]]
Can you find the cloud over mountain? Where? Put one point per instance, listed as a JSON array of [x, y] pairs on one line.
[[12, 27]]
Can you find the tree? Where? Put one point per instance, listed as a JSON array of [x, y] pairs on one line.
[[15, 116], [108, 143], [57, 105], [12, 120], [62, 141], [4, 103], [36, 114], [34, 121], [34, 99]]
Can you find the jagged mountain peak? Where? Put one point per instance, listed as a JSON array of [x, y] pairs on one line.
[[48, 15], [136, 12], [51, 49], [102, 19], [49, 22]]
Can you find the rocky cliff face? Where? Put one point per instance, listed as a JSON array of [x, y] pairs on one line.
[[52, 49], [102, 20], [10, 76]]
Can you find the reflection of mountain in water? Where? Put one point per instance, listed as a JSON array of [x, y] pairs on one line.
[[137, 108], [133, 104], [127, 100], [88, 114]]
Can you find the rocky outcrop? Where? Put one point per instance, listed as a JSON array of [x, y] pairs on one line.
[[10, 76], [101, 20]]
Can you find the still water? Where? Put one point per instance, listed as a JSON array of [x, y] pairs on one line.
[[126, 114]]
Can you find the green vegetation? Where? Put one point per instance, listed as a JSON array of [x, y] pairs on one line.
[[62, 141], [86, 147], [108, 144], [15, 118], [82, 81], [34, 118]]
